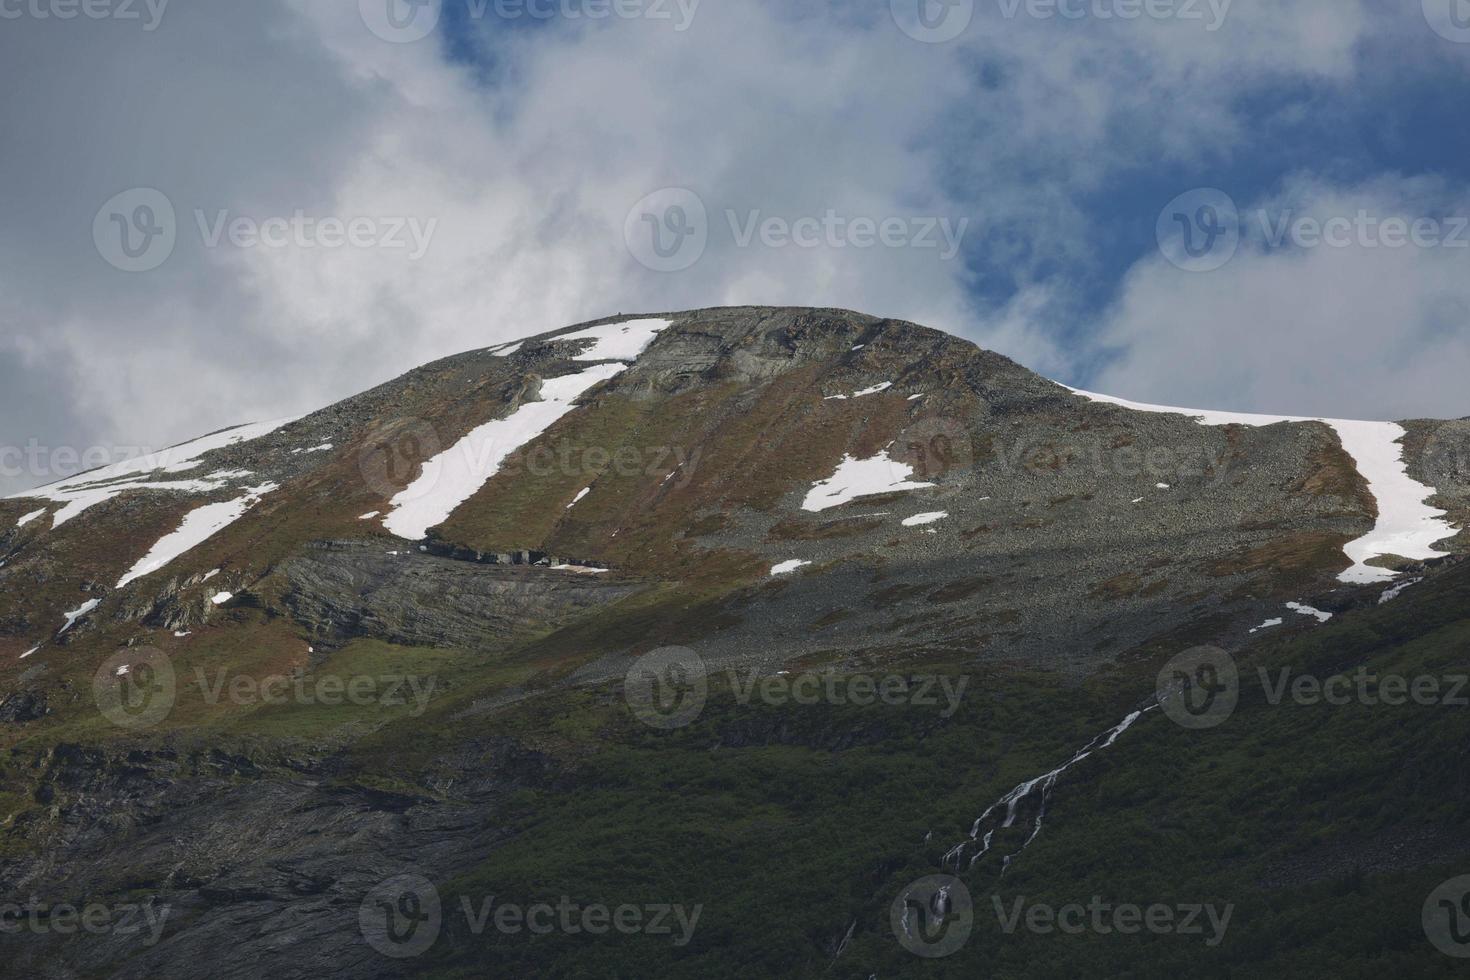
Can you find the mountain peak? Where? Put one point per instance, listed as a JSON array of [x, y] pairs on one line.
[[787, 463]]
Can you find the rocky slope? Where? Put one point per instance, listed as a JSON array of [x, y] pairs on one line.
[[1072, 530], [487, 543]]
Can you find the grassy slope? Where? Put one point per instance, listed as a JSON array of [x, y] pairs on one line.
[[786, 840], [787, 823]]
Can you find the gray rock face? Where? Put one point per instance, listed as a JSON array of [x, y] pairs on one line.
[[343, 590], [23, 706], [254, 871], [1438, 455]]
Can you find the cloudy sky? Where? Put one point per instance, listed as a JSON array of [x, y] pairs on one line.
[[218, 212]]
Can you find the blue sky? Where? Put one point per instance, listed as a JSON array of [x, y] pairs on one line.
[[538, 156]]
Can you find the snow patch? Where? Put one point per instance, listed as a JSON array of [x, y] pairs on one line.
[[580, 494], [220, 598], [94, 487], [920, 519], [1268, 624], [78, 613], [177, 459], [866, 391], [1297, 607], [617, 341], [369, 515], [787, 567], [861, 478], [29, 652], [580, 569], [197, 527], [1406, 525], [457, 474], [314, 449], [30, 517], [82, 499]]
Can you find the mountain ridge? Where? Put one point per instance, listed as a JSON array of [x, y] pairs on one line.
[[766, 403]]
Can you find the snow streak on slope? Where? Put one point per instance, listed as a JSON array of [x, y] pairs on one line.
[[198, 526], [1406, 525], [82, 499], [616, 341], [99, 486], [77, 614], [178, 459], [787, 567], [455, 475], [1303, 610], [884, 386], [861, 478]]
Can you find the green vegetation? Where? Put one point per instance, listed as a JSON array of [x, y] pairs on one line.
[[1321, 827]]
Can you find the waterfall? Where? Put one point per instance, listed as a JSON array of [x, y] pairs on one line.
[[1012, 800]]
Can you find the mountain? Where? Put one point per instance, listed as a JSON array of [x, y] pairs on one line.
[[529, 558]]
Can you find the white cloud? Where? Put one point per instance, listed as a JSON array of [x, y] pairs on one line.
[[267, 108], [1365, 330]]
